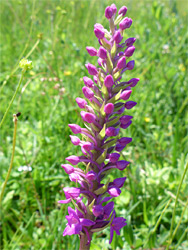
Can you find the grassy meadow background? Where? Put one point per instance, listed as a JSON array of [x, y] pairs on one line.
[[55, 34]]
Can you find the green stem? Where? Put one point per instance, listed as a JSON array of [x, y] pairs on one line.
[[10, 104], [173, 215], [12, 158]]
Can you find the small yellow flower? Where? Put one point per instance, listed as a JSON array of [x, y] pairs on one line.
[[67, 73], [146, 119], [182, 67], [25, 64]]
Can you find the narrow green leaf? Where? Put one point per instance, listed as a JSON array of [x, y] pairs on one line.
[[101, 135]]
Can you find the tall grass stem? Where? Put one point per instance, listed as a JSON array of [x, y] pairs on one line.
[[15, 93], [15, 119], [174, 211]]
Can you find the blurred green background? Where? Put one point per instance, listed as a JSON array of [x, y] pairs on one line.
[[55, 33]]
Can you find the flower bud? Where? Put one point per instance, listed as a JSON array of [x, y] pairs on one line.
[[125, 94], [119, 147], [129, 51], [119, 182], [114, 157], [81, 102], [130, 65], [125, 119], [108, 81], [88, 146], [109, 108], [87, 117], [68, 168], [124, 126], [121, 63], [75, 177], [121, 165], [114, 9], [133, 82], [114, 191], [108, 12], [130, 104], [122, 10], [92, 70], [130, 41], [91, 50], [120, 111], [73, 159], [125, 140], [76, 129], [102, 53], [117, 37], [99, 31], [91, 176], [88, 93], [111, 131], [75, 140], [125, 23], [88, 82], [95, 79]]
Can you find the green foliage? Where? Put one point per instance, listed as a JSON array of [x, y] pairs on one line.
[[30, 215]]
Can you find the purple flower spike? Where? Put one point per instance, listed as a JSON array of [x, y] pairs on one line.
[[107, 99], [125, 95], [76, 129], [122, 10], [108, 81], [109, 108], [102, 53], [117, 37], [130, 104], [109, 12], [121, 63], [125, 23], [92, 70], [91, 50]]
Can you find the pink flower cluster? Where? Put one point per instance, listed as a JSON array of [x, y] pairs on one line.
[[106, 100]]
